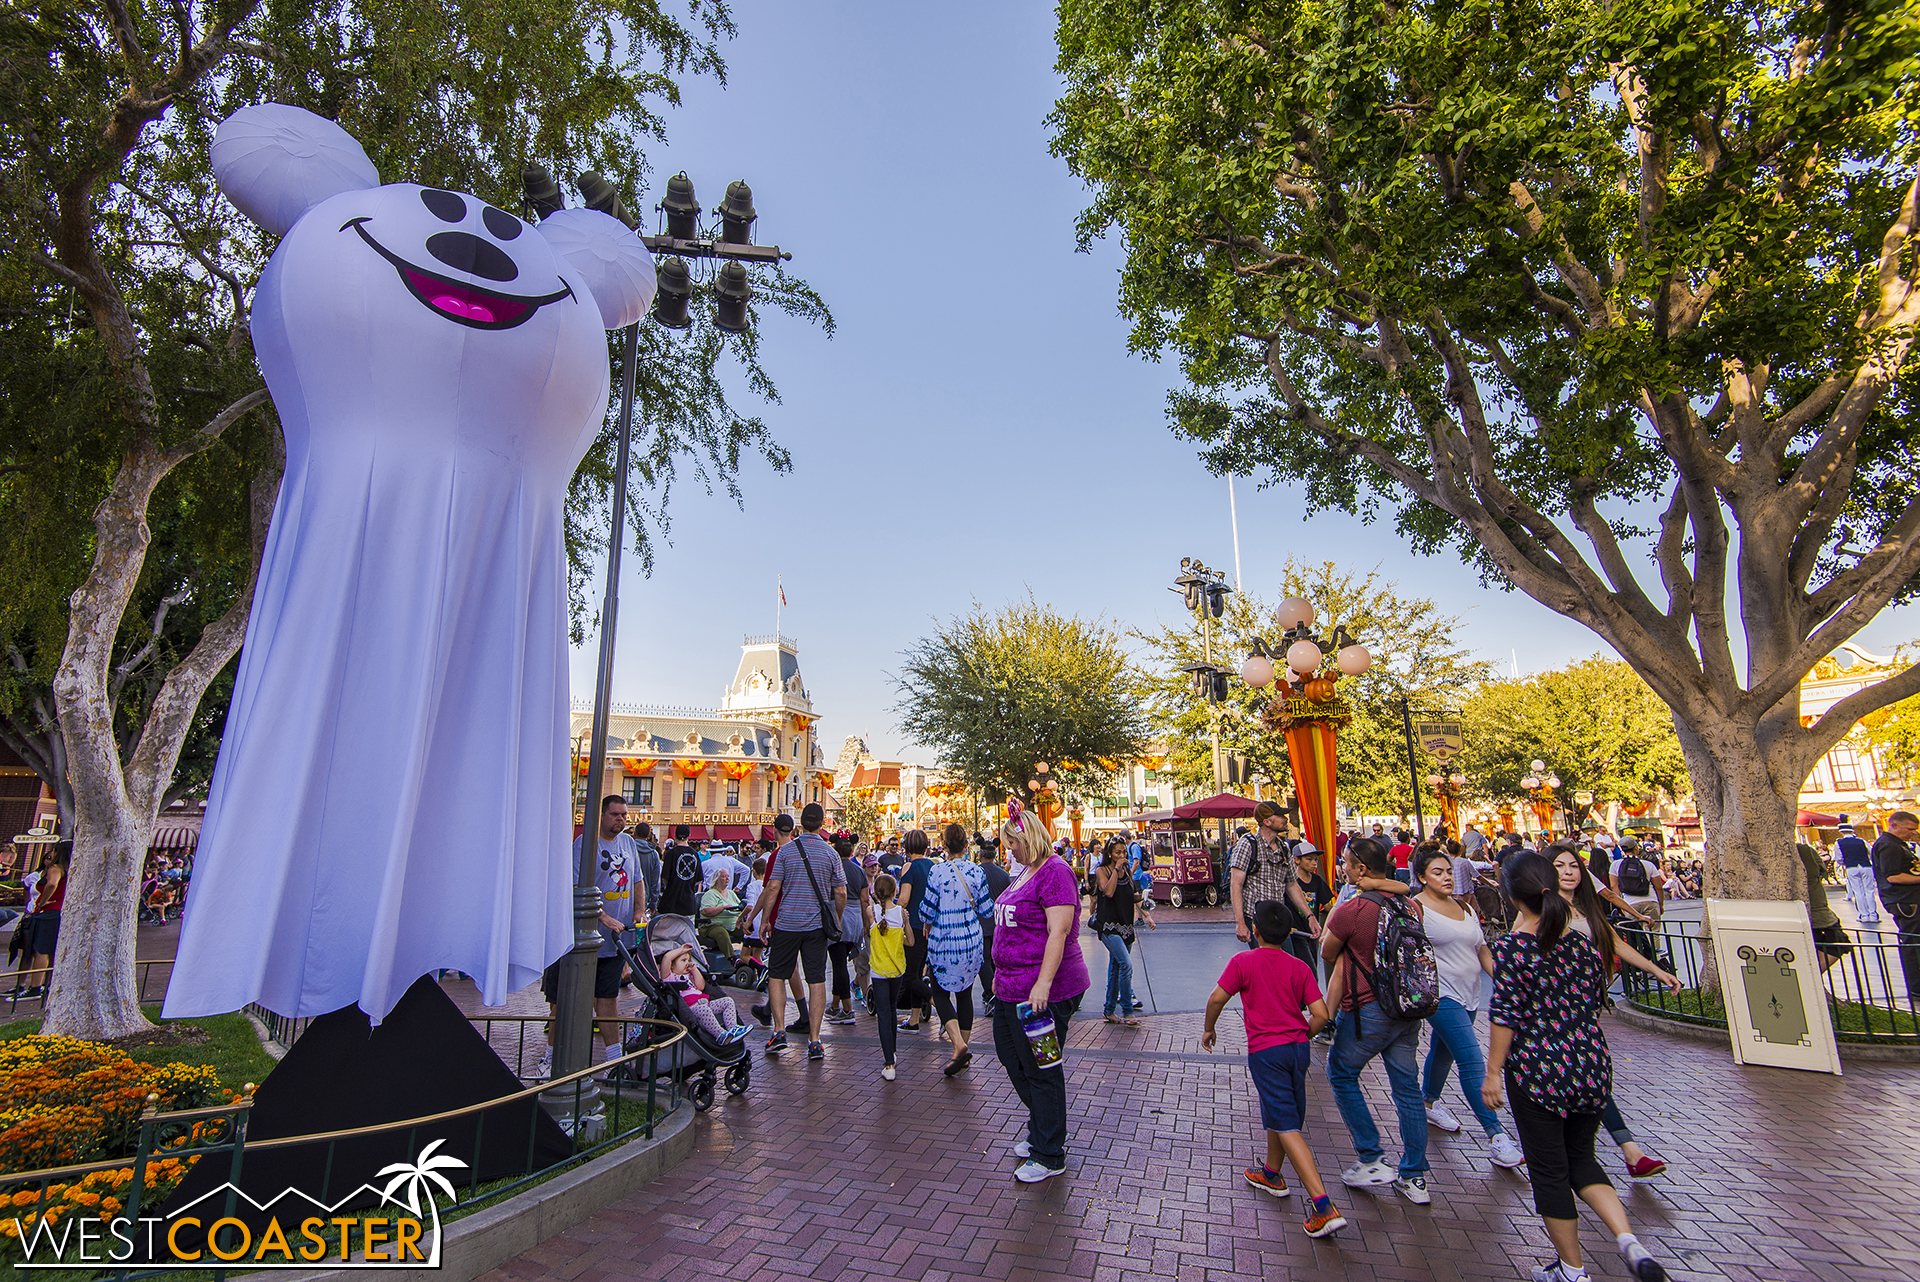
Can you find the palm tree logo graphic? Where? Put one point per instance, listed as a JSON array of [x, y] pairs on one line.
[[419, 1180]]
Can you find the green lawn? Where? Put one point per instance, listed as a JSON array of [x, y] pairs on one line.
[[232, 1049], [1848, 1017]]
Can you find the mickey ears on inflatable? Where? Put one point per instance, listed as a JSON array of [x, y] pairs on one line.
[[275, 162]]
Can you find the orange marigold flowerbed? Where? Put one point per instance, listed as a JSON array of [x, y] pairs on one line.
[[73, 1101], [98, 1194]]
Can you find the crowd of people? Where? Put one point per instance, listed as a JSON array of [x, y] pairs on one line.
[[1408, 936]]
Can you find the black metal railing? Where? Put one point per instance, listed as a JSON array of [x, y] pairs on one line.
[[631, 1095], [1867, 989], [28, 995]]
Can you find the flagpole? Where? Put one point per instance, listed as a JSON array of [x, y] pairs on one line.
[[779, 599]]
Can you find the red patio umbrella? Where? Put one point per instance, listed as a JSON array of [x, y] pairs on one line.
[[1224, 805], [1814, 819]]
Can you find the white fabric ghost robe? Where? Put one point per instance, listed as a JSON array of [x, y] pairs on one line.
[[391, 795]]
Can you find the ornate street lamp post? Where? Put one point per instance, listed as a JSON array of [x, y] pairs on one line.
[[1306, 708], [1540, 786]]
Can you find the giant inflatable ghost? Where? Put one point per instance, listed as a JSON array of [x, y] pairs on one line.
[[391, 795]]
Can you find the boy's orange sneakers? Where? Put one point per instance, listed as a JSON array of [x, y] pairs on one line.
[[1322, 1219], [1267, 1181]]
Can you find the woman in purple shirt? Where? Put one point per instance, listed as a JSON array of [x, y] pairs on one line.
[[1036, 964]]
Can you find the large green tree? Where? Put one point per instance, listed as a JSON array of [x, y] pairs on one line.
[[136, 444], [995, 693], [1582, 288], [1595, 723], [1417, 654]]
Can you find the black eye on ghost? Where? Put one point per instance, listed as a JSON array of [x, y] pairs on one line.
[[462, 251]]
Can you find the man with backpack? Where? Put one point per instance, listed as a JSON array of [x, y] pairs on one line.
[[1383, 980], [1633, 880]]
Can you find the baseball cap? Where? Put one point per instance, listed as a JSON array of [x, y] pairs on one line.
[[783, 823], [812, 815]]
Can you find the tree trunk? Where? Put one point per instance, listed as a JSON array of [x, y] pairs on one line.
[[116, 800], [95, 986], [1746, 811]]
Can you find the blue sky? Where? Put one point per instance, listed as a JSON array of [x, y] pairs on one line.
[[976, 427]]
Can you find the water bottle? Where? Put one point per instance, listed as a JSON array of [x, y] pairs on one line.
[[1041, 1035]]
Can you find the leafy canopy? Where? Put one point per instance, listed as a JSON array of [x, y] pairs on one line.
[[1416, 652], [996, 693], [1595, 723], [126, 284], [1520, 273]]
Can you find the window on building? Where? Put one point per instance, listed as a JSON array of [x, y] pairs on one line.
[[1845, 763], [796, 749], [769, 794], [733, 794], [640, 791], [686, 794]]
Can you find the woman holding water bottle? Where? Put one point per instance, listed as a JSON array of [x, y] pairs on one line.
[[1039, 978]]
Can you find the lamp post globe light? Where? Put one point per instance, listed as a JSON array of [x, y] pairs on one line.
[[1306, 708], [1540, 786], [581, 1110]]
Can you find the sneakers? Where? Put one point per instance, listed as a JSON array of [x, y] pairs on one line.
[[1022, 1149], [1367, 1175], [776, 1044], [1414, 1189], [797, 1026], [763, 1013], [1555, 1271], [1506, 1151], [737, 1033], [1641, 1264], [886, 1072], [1322, 1219], [543, 1071], [841, 1017], [1440, 1117], [816, 1051], [1647, 1168], [1032, 1172], [1267, 1180]]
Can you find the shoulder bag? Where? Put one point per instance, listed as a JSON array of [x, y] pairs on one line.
[[828, 923]]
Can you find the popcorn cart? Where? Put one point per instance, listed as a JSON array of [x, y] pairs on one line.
[[1183, 867]]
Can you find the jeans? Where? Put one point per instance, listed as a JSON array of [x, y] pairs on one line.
[[1042, 1090], [1119, 976], [1359, 1036], [1865, 895], [1906, 922], [1454, 1043]]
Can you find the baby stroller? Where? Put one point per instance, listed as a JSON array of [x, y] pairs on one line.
[[695, 1060]]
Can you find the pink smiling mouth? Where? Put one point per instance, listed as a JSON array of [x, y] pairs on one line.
[[468, 305], [465, 304]]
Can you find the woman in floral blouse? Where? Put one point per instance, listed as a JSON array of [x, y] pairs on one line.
[[1548, 990]]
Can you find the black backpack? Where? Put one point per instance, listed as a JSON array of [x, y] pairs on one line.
[[1633, 877]]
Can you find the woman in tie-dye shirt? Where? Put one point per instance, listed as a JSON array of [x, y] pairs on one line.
[[957, 898]]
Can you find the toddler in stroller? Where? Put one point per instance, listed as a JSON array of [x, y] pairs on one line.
[[714, 1013], [710, 1044]]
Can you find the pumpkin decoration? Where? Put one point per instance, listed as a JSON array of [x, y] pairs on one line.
[[1319, 688]]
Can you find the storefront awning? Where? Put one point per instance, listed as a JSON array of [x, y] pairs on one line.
[[733, 832]]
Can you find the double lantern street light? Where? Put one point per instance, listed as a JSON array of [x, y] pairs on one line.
[[1540, 786], [731, 244]]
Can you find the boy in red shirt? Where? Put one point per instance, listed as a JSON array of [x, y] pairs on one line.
[[1276, 990]]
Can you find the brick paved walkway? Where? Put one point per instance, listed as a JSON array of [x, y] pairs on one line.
[[824, 1171]]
